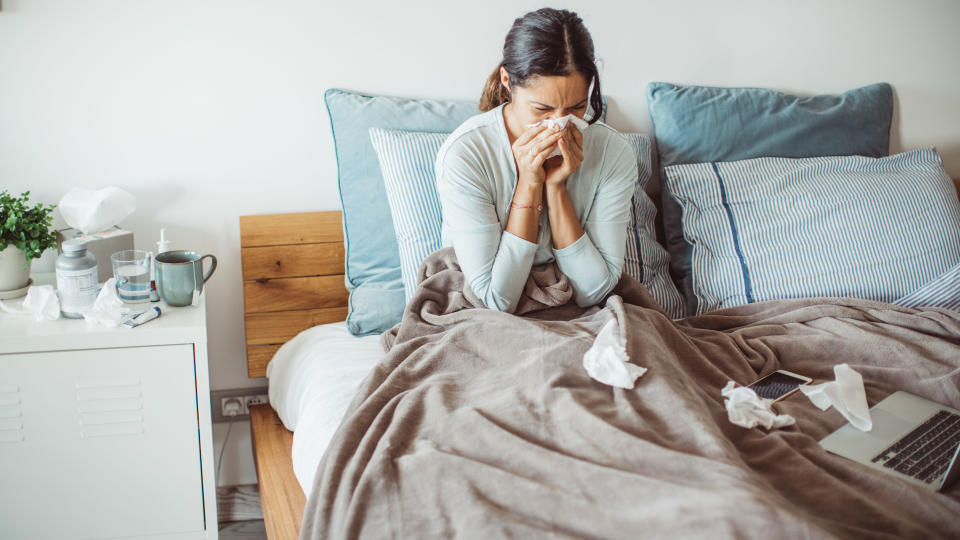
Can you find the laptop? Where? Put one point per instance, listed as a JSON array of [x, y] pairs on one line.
[[913, 438]]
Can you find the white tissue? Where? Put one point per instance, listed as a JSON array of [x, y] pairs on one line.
[[846, 394], [746, 409], [607, 361], [578, 122], [91, 211], [108, 309], [42, 302]]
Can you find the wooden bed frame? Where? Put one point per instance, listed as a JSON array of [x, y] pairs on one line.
[[292, 280]]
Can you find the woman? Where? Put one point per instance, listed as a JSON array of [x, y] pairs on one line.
[[506, 206]]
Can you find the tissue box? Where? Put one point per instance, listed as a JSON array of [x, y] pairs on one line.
[[102, 245]]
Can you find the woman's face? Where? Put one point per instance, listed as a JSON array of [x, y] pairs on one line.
[[547, 96]]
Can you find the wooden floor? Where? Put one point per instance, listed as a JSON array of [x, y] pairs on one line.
[[239, 513], [243, 530]]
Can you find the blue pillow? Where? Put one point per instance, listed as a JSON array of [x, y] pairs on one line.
[[372, 258], [407, 161], [698, 124], [774, 228]]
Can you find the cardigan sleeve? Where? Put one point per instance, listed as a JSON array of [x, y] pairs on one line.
[[495, 262], [595, 261]]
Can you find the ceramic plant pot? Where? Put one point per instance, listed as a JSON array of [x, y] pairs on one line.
[[14, 269]]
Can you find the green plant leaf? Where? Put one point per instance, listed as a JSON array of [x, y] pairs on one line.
[[25, 226]]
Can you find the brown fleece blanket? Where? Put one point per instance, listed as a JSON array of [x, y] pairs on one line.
[[481, 424]]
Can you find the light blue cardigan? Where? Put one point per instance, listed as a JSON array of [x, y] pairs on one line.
[[476, 178]]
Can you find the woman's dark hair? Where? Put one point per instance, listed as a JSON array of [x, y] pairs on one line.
[[544, 42]]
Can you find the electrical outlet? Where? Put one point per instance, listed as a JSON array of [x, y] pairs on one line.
[[239, 400], [258, 399], [231, 407]]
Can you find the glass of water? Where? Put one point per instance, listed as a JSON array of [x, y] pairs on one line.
[[131, 268]]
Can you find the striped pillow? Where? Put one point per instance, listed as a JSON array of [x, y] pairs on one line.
[[407, 164], [942, 292], [645, 259], [773, 228]]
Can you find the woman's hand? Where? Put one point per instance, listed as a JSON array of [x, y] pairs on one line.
[[530, 151], [571, 148]]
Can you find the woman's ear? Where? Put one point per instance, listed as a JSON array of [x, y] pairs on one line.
[[505, 78]]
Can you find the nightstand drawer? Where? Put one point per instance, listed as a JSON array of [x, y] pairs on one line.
[[100, 443]]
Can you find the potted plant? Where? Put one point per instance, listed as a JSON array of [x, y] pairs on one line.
[[25, 232]]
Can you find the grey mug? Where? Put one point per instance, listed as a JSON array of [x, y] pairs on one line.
[[179, 273]]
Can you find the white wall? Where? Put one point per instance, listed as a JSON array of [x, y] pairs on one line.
[[208, 110]]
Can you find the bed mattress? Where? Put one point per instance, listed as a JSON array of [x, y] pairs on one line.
[[313, 378]]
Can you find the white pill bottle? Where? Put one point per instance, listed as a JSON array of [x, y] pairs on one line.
[[76, 278]]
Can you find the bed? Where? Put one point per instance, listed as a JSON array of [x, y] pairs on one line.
[[293, 267]]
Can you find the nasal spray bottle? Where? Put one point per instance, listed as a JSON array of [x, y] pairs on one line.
[[162, 246]]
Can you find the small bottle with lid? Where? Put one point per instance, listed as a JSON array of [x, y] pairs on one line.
[[162, 246], [76, 278]]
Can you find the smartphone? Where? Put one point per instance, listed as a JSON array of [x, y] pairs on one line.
[[778, 385]]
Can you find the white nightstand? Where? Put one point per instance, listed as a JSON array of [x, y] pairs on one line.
[[106, 432]]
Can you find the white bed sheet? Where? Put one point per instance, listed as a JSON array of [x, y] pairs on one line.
[[313, 378]]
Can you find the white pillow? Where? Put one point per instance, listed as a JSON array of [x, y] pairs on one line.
[[773, 228]]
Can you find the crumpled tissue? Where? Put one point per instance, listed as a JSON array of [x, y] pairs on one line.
[[845, 393], [746, 409], [108, 309], [42, 302], [578, 123], [90, 211], [607, 361]]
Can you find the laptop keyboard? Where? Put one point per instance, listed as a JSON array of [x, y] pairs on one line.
[[925, 452]]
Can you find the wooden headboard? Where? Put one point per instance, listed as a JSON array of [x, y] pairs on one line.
[[292, 279]]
